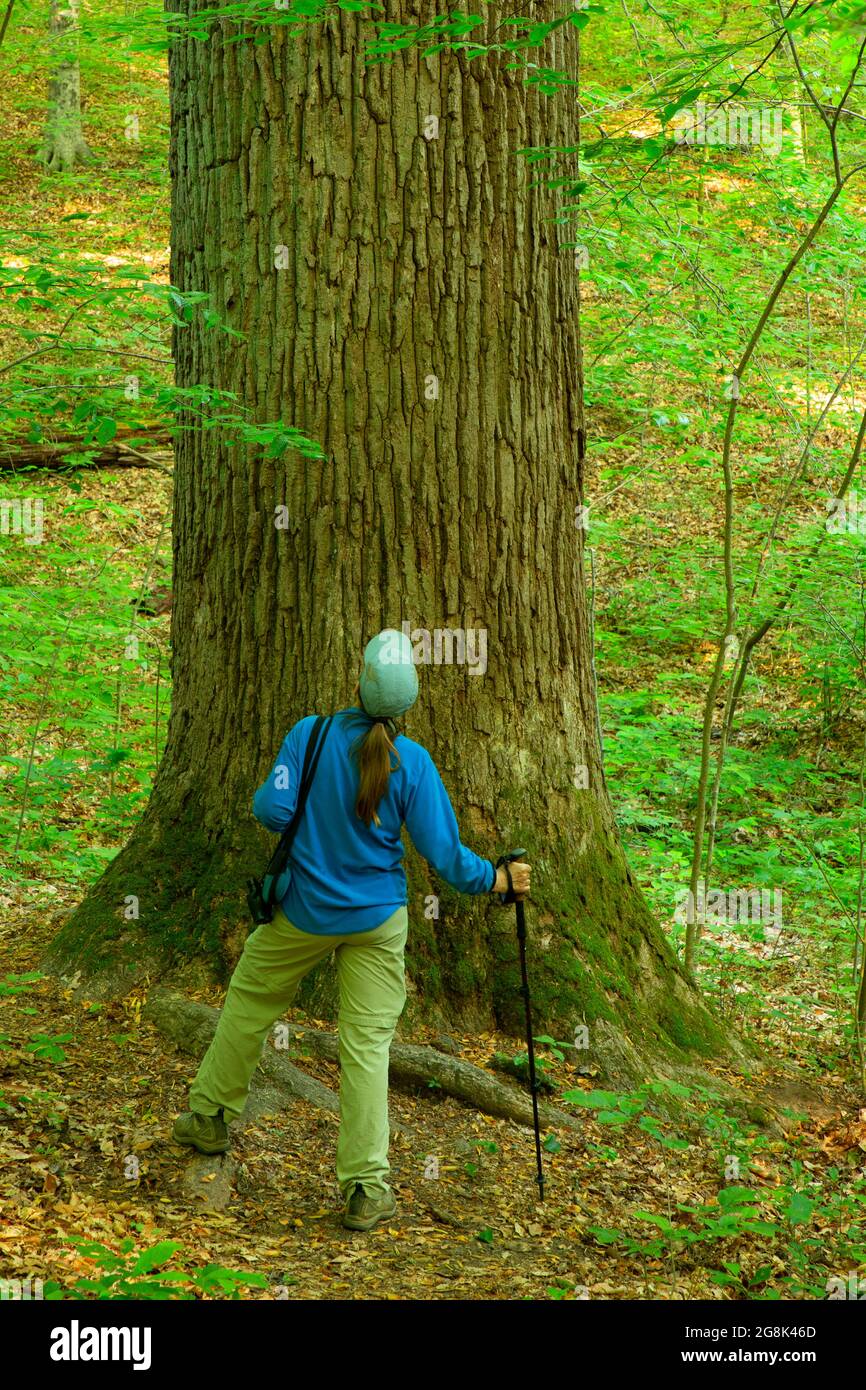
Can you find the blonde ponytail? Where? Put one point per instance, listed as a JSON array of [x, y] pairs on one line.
[[374, 764], [372, 752]]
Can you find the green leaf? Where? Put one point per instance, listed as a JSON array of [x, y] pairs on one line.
[[156, 1255], [592, 1099], [663, 1223], [730, 1197], [106, 430], [603, 1236], [799, 1208]]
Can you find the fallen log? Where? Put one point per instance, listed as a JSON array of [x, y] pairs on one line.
[[124, 451], [191, 1025], [413, 1065]]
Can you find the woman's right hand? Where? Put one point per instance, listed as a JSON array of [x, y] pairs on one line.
[[520, 878]]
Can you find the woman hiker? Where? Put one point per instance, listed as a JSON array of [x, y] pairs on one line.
[[347, 895]]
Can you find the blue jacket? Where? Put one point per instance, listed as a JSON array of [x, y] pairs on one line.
[[347, 876]]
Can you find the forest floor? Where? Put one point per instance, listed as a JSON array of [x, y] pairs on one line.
[[88, 1087]]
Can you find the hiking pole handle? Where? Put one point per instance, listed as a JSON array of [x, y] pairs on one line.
[[509, 897]]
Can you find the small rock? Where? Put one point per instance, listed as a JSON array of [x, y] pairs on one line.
[[443, 1042], [210, 1179]]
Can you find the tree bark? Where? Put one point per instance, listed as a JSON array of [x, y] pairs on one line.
[[410, 303], [64, 145]]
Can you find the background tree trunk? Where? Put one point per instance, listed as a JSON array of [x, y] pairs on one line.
[[424, 329], [64, 145]]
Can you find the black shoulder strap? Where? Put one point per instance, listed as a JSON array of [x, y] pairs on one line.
[[280, 857], [303, 785], [320, 733]]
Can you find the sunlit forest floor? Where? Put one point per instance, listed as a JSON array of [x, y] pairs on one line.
[[90, 1090]]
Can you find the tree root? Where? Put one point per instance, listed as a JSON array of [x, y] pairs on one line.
[[413, 1065], [192, 1025]]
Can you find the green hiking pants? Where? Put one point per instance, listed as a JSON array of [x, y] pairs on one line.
[[372, 992]]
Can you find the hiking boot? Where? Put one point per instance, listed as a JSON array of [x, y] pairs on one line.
[[207, 1133], [363, 1211]]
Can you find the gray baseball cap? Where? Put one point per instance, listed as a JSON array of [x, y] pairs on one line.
[[389, 680]]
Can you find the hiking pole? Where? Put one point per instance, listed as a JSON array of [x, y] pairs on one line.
[[504, 861]]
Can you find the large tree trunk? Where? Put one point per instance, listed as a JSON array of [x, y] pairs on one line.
[[424, 329], [64, 145]]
